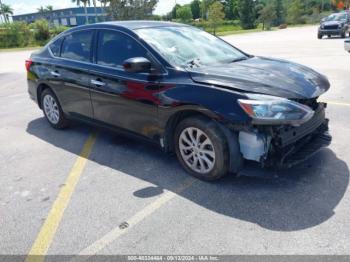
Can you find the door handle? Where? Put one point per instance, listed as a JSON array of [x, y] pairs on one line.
[[55, 74], [98, 83]]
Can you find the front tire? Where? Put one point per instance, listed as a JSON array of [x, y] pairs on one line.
[[319, 36], [343, 35], [201, 148], [52, 110]]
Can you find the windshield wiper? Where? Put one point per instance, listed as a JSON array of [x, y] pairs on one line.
[[239, 59], [193, 62]]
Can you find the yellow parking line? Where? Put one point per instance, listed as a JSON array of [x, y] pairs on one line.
[[120, 230], [336, 103], [48, 230]]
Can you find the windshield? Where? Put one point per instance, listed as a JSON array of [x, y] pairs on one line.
[[336, 17], [189, 47]]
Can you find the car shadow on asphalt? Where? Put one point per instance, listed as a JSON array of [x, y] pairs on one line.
[[295, 199]]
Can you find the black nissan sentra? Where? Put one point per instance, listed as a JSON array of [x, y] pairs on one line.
[[217, 107]]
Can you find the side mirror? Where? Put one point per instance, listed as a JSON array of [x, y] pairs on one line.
[[137, 65]]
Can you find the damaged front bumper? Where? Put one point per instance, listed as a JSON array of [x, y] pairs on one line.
[[301, 150], [286, 146]]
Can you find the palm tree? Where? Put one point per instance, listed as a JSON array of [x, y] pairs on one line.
[[49, 10], [2, 17], [94, 3], [103, 6], [41, 11], [85, 4], [6, 11]]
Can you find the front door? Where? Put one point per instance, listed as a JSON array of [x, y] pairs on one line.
[[122, 99]]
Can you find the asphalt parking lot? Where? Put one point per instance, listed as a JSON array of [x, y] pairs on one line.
[[87, 191]]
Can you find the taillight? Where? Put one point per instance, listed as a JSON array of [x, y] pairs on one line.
[[29, 62]]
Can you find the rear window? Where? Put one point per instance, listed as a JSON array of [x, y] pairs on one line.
[[77, 46], [55, 47]]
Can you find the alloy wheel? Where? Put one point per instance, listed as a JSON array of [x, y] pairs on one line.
[[197, 150], [51, 109]]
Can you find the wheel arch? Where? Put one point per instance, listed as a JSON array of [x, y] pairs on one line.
[[176, 118], [39, 91], [235, 157]]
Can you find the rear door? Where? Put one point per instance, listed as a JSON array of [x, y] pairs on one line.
[[122, 99], [70, 72]]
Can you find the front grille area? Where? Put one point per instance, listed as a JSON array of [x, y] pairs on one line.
[[293, 145], [331, 27], [288, 135]]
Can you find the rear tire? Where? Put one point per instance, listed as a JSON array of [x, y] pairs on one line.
[[52, 110], [201, 148], [329, 36]]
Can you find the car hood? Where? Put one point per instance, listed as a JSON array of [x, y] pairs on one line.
[[330, 23], [265, 76]]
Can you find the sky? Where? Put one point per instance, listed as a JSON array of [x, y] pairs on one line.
[[30, 6]]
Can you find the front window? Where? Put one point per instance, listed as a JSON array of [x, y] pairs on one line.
[[115, 47], [336, 17], [185, 46]]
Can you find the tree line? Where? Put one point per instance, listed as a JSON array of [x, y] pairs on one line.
[[249, 12], [5, 12], [252, 12]]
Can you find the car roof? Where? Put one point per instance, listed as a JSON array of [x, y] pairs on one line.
[[137, 24], [127, 25]]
